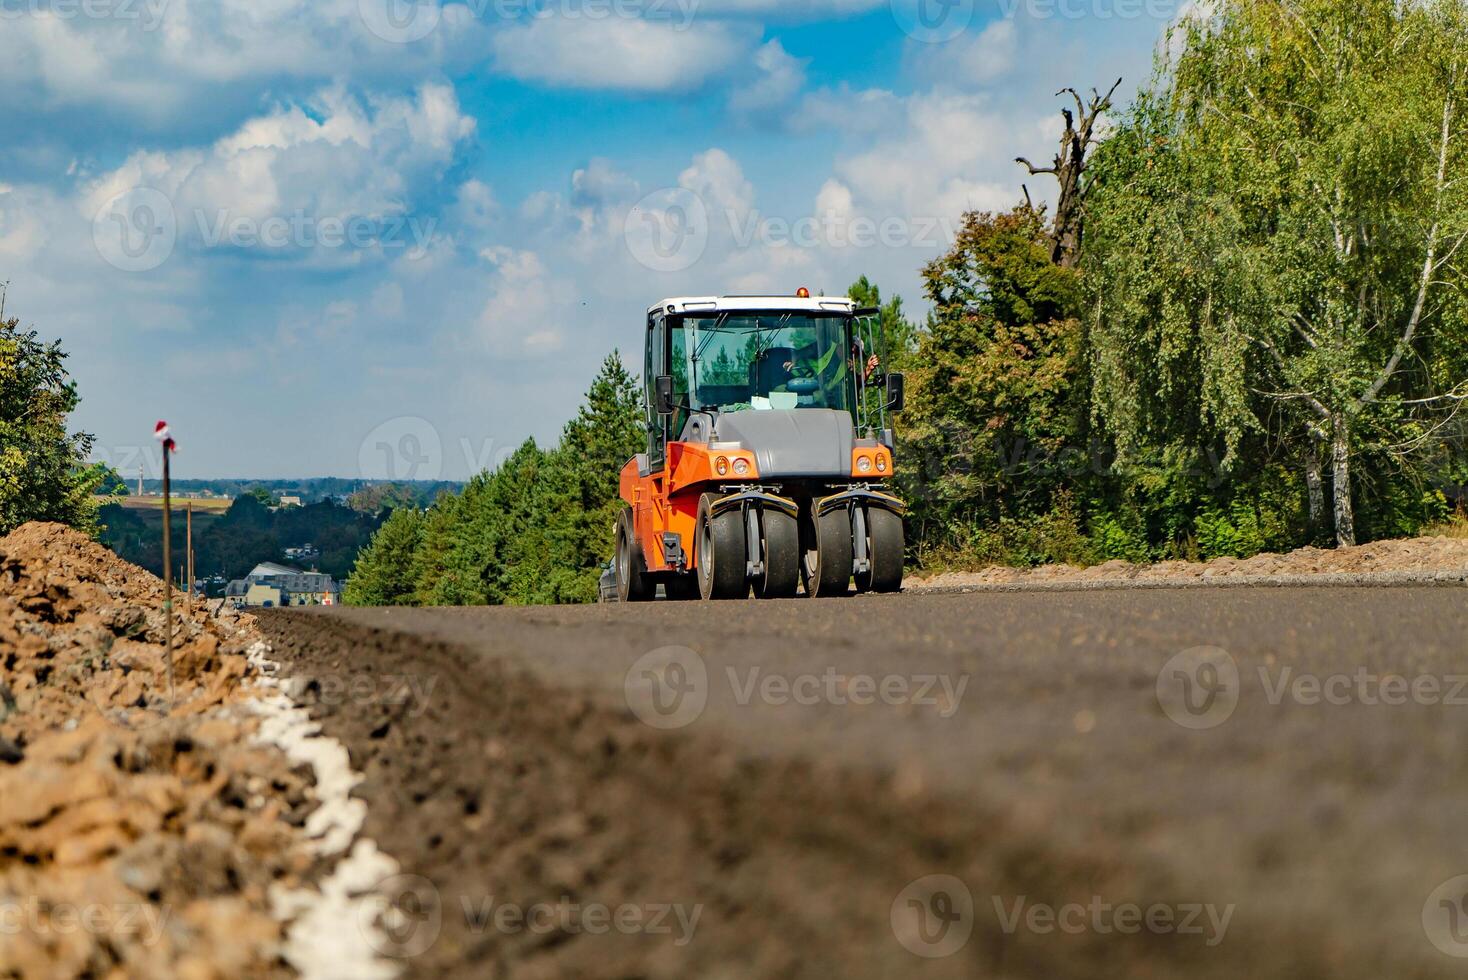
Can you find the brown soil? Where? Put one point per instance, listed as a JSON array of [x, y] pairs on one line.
[[1417, 555], [140, 830]]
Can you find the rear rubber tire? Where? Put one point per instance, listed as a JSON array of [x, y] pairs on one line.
[[721, 553], [632, 581], [886, 548], [781, 543], [826, 565]]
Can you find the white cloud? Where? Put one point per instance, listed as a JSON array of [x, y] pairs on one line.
[[953, 141], [807, 10], [780, 78], [719, 180], [519, 318], [600, 183], [335, 157], [155, 60], [835, 200], [476, 207], [621, 53], [22, 231], [387, 300], [971, 58], [860, 112]]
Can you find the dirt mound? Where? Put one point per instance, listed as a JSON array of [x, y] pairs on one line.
[[1417, 555], [84, 629], [140, 828]]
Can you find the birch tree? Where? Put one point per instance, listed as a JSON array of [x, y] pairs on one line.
[[1277, 245]]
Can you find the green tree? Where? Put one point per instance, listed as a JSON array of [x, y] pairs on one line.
[[996, 409], [507, 530], [263, 496], [899, 333], [1275, 250], [44, 474], [112, 484], [383, 574], [382, 497]]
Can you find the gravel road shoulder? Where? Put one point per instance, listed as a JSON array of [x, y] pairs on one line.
[[1416, 561], [154, 826]]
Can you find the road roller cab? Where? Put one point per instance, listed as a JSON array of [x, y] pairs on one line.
[[769, 453]]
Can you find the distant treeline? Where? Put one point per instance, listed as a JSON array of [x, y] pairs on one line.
[[246, 535], [369, 496]]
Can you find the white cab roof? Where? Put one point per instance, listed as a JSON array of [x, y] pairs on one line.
[[721, 304]]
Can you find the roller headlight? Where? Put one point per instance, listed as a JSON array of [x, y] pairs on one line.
[[881, 464], [721, 466], [864, 464], [741, 467]]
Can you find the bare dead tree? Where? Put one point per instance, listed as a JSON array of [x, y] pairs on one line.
[[1069, 171]]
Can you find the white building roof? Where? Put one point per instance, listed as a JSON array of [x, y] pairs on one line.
[[269, 568], [721, 304]]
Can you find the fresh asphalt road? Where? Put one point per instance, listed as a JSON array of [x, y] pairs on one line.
[[1284, 768]]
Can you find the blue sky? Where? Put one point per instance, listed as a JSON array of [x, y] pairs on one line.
[[385, 238]]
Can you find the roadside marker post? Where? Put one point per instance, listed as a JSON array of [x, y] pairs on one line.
[[189, 556], [160, 432]]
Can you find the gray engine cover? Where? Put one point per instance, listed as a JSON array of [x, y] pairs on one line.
[[794, 442]]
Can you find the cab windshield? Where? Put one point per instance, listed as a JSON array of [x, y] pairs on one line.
[[764, 361]]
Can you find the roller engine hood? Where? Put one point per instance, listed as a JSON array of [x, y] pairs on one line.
[[793, 442]]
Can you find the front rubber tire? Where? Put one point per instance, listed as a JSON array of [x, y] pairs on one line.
[[826, 565], [721, 553], [632, 581], [886, 550], [781, 543]]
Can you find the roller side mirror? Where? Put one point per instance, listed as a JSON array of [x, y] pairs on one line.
[[663, 394], [896, 392]]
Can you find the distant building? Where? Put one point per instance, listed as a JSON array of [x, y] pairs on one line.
[[290, 502], [306, 552], [272, 585]]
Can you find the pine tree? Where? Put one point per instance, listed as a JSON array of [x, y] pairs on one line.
[[383, 575]]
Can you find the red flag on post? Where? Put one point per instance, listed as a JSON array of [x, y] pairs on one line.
[[161, 433]]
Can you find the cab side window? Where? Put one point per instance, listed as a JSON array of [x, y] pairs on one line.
[[652, 367], [678, 368]]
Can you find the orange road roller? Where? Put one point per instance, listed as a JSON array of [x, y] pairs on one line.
[[769, 454]]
